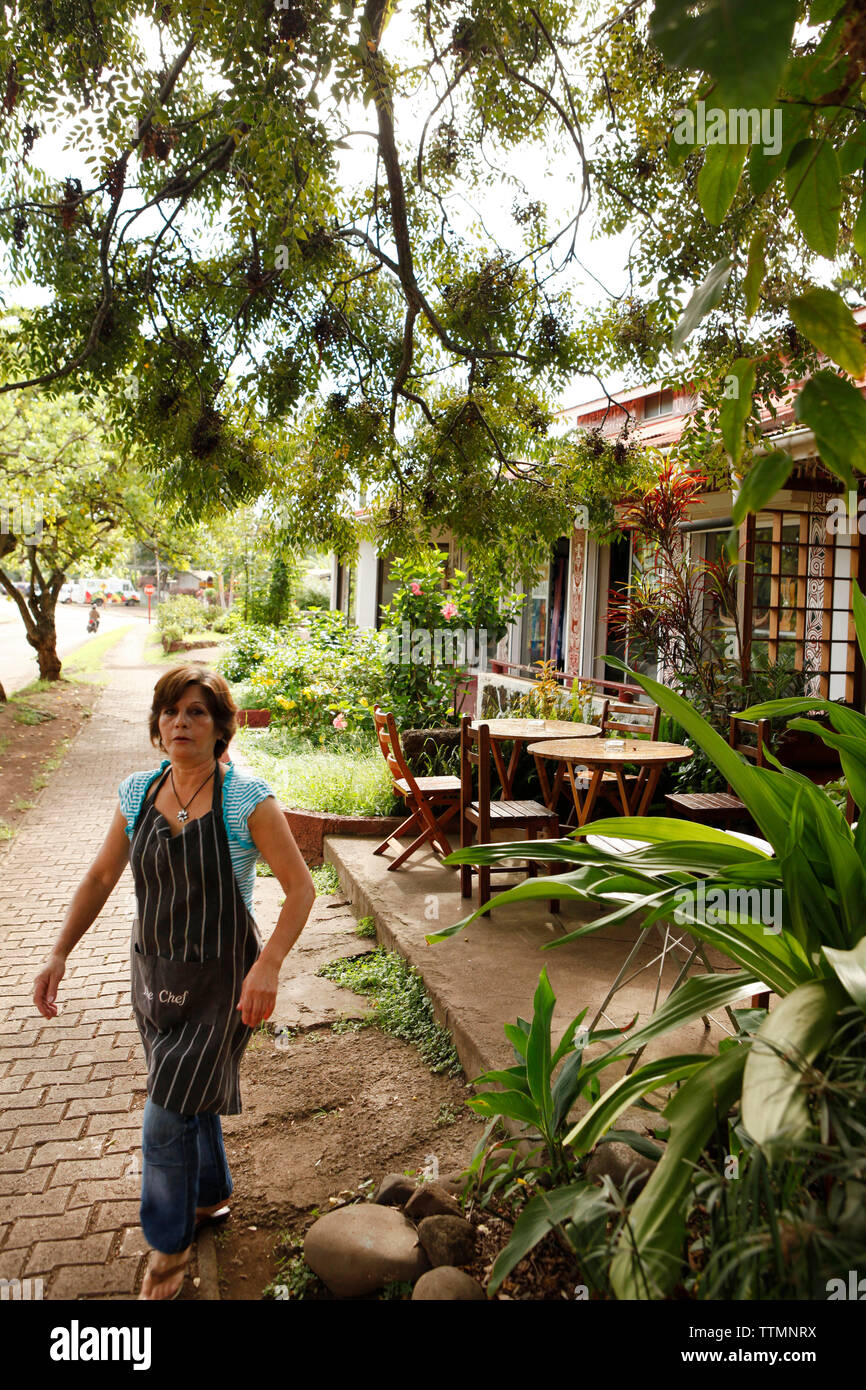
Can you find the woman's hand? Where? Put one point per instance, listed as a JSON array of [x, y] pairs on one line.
[[259, 993], [46, 984]]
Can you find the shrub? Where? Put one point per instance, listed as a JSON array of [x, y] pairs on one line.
[[426, 615], [311, 674]]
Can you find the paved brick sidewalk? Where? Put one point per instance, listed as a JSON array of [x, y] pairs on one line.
[[72, 1089]]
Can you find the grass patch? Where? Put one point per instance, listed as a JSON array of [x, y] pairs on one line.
[[294, 1279], [366, 928], [28, 714], [87, 661], [402, 1008], [6, 831], [51, 764], [326, 879], [349, 781]]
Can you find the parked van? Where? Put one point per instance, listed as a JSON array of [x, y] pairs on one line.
[[112, 589], [119, 590]]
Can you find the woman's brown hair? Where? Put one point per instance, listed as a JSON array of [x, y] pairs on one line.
[[217, 697]]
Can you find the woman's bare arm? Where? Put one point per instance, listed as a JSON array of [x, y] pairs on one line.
[[88, 901], [276, 844]]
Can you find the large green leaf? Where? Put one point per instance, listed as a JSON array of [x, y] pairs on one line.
[[514, 1104], [825, 319], [777, 959], [538, 1049], [858, 605], [661, 828], [705, 298], [580, 1202], [698, 996], [767, 474], [648, 1259], [858, 231], [850, 968], [755, 270], [742, 45], [664, 1071], [775, 1105], [737, 408], [852, 155], [813, 184], [846, 721], [836, 412], [852, 754], [764, 167], [719, 179]]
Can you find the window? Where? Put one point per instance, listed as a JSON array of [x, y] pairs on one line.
[[534, 625], [659, 403], [346, 591], [385, 586], [543, 620]]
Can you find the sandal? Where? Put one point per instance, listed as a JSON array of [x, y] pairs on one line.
[[160, 1277], [211, 1216]]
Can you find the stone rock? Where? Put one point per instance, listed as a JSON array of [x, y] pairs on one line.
[[621, 1164], [446, 1282], [394, 1190], [357, 1249], [431, 1199], [447, 1240], [452, 1183]]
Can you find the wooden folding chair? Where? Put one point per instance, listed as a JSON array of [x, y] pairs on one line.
[[434, 801], [485, 814], [725, 806]]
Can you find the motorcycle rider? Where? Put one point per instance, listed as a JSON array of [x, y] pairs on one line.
[[93, 618]]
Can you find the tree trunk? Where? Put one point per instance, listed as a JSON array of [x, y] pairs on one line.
[[3, 696], [44, 643]]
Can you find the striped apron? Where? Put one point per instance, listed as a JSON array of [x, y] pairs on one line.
[[193, 941]]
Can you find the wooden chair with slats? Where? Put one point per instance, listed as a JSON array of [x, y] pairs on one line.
[[480, 815], [627, 720], [746, 736], [434, 801]]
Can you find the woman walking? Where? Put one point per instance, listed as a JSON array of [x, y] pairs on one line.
[[191, 832]]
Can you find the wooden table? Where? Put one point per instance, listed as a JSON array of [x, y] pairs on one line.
[[599, 757], [521, 731]]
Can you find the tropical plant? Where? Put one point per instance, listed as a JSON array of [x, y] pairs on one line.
[[814, 958], [542, 1105], [531, 1095]]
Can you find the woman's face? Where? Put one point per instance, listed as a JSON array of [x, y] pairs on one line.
[[187, 728]]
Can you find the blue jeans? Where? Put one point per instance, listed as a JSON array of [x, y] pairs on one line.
[[184, 1166]]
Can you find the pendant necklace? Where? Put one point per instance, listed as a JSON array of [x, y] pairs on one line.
[[183, 813]]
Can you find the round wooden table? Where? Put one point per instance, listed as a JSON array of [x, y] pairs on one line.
[[520, 732], [599, 757]]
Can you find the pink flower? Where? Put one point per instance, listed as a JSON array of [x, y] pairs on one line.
[[416, 587], [449, 610], [339, 722]]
